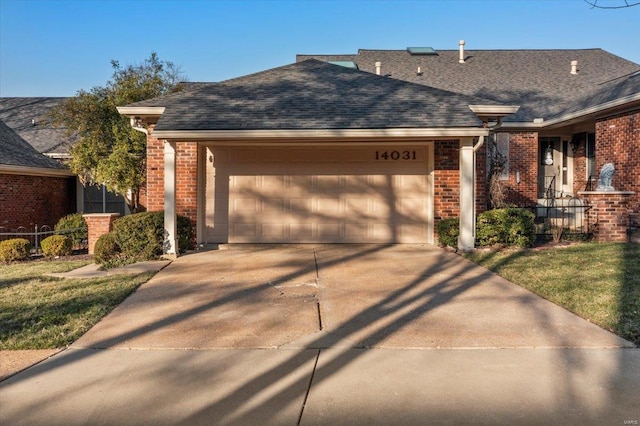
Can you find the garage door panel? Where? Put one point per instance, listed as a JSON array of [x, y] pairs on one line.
[[324, 195]]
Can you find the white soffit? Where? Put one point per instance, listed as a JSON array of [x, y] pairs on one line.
[[208, 135]]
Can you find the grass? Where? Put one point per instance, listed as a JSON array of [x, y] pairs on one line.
[[41, 312], [599, 282]]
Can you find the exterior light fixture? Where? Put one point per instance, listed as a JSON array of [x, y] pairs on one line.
[[548, 156]]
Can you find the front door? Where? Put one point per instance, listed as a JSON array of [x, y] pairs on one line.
[[555, 177]]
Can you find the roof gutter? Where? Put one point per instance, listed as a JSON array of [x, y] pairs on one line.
[[491, 116], [577, 114], [208, 135], [34, 171]]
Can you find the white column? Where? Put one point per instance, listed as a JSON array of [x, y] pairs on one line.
[[170, 217], [466, 238]]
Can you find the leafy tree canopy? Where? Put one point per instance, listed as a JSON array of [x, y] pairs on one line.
[[109, 151]]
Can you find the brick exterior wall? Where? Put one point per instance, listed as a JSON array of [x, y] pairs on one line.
[[446, 181], [98, 224], [523, 155], [608, 216], [186, 177], [579, 148], [35, 200], [618, 142], [153, 197], [481, 179]]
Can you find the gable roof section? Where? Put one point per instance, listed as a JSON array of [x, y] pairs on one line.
[[18, 113], [313, 95], [17, 154], [537, 80]]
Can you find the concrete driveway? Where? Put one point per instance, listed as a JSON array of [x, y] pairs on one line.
[[331, 334]]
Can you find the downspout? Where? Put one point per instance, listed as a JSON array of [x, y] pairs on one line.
[[137, 124], [476, 147]]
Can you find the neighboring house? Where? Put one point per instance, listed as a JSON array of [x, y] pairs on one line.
[[30, 119], [34, 190]]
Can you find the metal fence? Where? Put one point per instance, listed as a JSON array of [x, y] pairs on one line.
[[561, 218], [37, 234]]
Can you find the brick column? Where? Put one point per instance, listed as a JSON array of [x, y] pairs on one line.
[[98, 224], [609, 214]]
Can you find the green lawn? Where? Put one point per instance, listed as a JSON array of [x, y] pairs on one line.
[[599, 282], [40, 312]]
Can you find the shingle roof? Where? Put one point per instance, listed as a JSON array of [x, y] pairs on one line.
[[537, 80], [15, 151], [313, 95], [18, 113]]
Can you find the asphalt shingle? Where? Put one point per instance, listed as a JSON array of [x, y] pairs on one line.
[[15, 151], [538, 80], [18, 113], [313, 95]]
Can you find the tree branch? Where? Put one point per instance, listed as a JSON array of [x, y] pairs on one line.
[[594, 5]]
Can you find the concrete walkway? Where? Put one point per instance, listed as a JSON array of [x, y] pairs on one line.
[[332, 335]]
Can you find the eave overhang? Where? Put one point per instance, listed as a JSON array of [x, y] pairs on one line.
[[320, 134], [141, 112], [493, 113], [34, 171], [618, 105]]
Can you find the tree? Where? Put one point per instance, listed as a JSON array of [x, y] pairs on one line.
[[109, 151], [623, 4]]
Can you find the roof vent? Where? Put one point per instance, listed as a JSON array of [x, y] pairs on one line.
[[33, 121], [424, 51], [346, 64], [574, 67], [378, 67], [461, 44]]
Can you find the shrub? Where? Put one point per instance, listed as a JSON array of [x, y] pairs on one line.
[[508, 227], [56, 245], [140, 237], [14, 249], [106, 250], [73, 226], [448, 231]]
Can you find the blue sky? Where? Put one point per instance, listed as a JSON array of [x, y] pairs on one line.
[[55, 48]]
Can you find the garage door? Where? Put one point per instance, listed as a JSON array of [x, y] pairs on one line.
[[326, 195]]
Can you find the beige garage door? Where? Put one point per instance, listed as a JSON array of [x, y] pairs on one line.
[[328, 195]]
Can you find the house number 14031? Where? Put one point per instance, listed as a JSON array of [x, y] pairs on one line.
[[395, 155]]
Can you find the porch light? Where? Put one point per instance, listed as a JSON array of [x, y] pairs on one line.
[[548, 156]]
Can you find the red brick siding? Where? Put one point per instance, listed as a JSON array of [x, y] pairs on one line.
[[35, 200], [481, 179], [187, 180], [618, 142], [153, 198], [609, 216], [580, 164], [523, 154], [446, 180], [98, 225], [186, 177]]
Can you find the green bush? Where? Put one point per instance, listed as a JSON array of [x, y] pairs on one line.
[[140, 237], [507, 227], [73, 226], [106, 251], [14, 249], [448, 231], [56, 245]]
